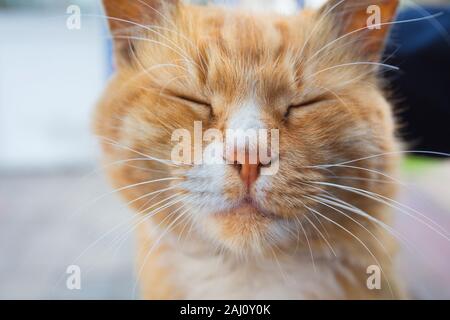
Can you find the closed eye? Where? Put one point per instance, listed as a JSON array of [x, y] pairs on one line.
[[304, 104], [192, 100], [200, 105]]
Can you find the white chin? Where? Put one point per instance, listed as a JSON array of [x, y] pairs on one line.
[[244, 231]]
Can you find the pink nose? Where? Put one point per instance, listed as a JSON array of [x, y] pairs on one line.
[[248, 170]]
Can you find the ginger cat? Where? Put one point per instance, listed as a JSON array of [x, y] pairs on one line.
[[313, 229]]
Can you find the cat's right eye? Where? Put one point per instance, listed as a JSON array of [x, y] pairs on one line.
[[194, 101]]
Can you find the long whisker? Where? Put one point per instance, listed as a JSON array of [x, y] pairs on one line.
[[95, 200], [347, 206], [378, 64], [334, 94], [356, 238], [166, 84], [350, 207], [151, 28], [321, 20], [148, 70], [174, 30], [124, 161], [308, 243], [363, 74], [165, 18], [115, 143], [376, 197], [437, 25], [156, 243], [425, 152], [134, 185], [186, 58], [283, 274], [321, 224], [121, 239], [324, 203], [170, 21], [363, 169], [360, 179], [320, 233], [151, 193], [118, 162], [188, 220], [94, 243], [372, 26]]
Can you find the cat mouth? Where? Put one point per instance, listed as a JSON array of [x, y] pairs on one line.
[[248, 206]]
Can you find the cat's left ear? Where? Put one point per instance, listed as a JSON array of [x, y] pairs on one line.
[[364, 22], [130, 18]]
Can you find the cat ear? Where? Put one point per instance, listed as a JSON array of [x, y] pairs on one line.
[[129, 18], [367, 20]]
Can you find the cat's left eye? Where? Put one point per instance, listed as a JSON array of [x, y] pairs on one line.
[[303, 104]]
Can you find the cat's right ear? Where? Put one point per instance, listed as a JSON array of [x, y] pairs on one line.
[[128, 19]]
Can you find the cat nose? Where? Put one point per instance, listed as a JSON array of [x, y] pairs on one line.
[[249, 168], [249, 173]]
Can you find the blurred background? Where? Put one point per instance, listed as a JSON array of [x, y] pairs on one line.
[[50, 79]]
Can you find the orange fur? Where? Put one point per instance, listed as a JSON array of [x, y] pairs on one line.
[[225, 57]]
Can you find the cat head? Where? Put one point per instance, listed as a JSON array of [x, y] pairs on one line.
[[307, 82]]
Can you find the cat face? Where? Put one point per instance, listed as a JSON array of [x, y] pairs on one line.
[[308, 79]]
